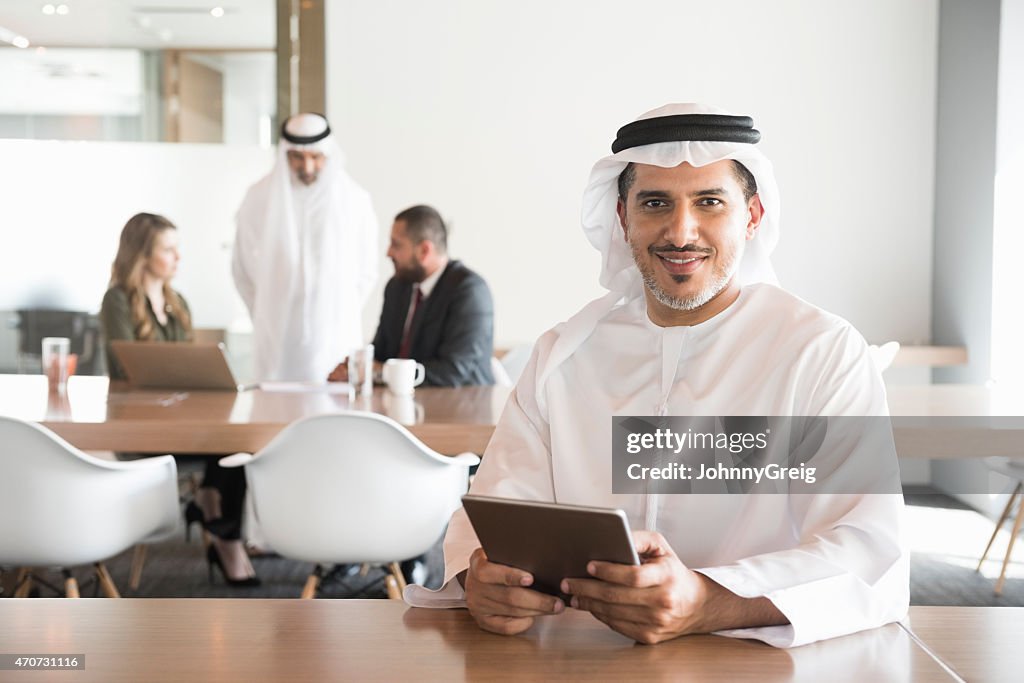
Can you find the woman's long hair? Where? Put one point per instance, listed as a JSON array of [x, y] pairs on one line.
[[137, 240]]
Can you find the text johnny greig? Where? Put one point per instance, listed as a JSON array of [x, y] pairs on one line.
[[667, 440], [679, 472]]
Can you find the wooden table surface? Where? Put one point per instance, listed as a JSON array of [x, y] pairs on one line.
[[333, 640], [978, 643], [964, 421], [93, 418]]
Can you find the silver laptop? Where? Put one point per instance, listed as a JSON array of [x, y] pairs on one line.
[[176, 365]]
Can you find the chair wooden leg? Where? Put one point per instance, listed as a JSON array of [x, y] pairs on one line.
[[106, 583], [1009, 547], [392, 587], [396, 571], [138, 562], [70, 585], [312, 583], [23, 586], [364, 569], [999, 524]]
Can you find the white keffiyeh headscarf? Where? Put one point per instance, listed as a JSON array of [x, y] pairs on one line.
[[619, 273]]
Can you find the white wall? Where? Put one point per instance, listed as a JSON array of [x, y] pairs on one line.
[[494, 113], [249, 97], [1008, 238], [64, 204]]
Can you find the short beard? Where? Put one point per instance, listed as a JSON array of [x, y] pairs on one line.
[[719, 280], [414, 273]]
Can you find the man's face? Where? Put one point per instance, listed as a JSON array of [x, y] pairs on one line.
[[306, 164], [405, 255], [687, 227]]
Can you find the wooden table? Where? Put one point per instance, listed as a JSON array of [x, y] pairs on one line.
[[94, 418], [978, 643], [448, 420], [943, 421], [354, 640]]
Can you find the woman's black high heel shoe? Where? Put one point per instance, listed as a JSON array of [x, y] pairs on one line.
[[213, 558], [193, 515]]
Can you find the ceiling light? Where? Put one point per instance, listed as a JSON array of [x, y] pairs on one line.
[[63, 9], [20, 41], [217, 12], [49, 9]]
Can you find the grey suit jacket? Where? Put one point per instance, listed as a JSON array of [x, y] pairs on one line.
[[452, 330]]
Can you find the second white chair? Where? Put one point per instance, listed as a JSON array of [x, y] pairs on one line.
[[352, 488], [60, 507]]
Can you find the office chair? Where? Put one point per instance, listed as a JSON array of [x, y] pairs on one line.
[[884, 355], [501, 377], [352, 488], [60, 507], [80, 327], [1014, 469]]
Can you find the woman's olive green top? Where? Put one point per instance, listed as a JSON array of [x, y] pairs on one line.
[[116, 322]]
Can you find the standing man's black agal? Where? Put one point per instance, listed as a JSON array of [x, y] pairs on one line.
[[704, 127], [308, 140]]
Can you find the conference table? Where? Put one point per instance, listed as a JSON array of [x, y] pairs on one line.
[[929, 421], [357, 640], [93, 414]]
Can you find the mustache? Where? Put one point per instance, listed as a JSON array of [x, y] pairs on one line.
[[672, 249]]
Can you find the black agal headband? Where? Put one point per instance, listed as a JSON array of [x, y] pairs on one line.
[[703, 127], [308, 140]]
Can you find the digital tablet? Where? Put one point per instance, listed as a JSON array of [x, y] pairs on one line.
[[551, 541]]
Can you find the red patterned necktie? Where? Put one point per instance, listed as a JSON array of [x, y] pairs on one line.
[[406, 345]]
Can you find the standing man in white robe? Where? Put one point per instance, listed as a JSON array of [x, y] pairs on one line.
[[305, 256], [685, 214]]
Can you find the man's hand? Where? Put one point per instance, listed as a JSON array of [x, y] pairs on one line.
[[662, 599], [499, 599], [340, 373]]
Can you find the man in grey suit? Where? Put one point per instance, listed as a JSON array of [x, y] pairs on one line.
[[436, 310]]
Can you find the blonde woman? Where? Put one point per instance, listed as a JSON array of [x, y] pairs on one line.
[[141, 305]]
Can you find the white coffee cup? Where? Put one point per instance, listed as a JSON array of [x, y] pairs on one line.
[[402, 408], [403, 375]]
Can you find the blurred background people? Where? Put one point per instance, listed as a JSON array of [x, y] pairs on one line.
[[141, 305], [305, 256]]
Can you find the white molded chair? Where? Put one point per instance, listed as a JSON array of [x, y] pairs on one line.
[[884, 355], [60, 507], [352, 488], [515, 359], [1012, 468], [501, 377]]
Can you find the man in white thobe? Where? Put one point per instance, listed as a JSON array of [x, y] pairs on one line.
[[685, 214], [305, 256]]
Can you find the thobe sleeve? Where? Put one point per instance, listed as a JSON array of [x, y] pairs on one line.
[[850, 571], [516, 464]]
